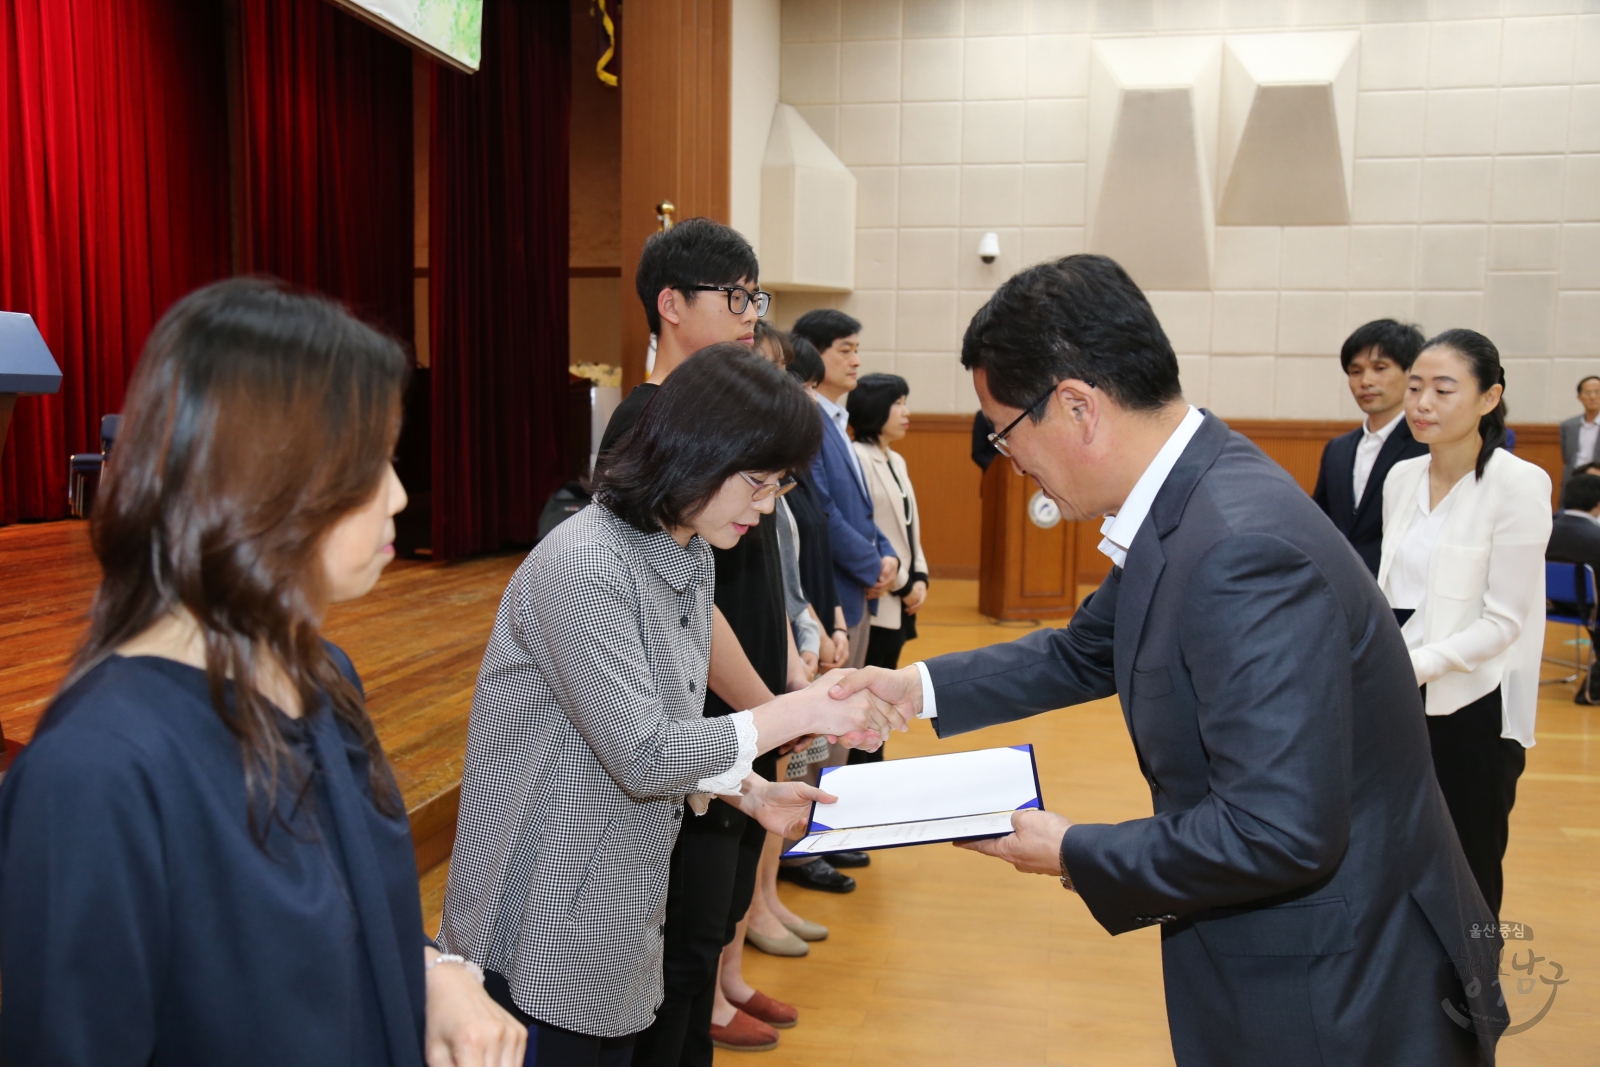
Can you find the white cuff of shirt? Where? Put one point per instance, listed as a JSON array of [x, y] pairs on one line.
[[930, 706], [727, 783]]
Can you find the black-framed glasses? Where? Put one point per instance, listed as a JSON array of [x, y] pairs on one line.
[[998, 440], [738, 297], [768, 490]]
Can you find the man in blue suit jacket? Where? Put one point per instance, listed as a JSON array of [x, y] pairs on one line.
[[863, 561], [1314, 903], [1377, 360]]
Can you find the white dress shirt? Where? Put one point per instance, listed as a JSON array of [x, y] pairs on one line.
[[1588, 434], [1118, 530], [1372, 442], [839, 419]]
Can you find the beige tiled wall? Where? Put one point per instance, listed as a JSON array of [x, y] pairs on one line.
[[1475, 199]]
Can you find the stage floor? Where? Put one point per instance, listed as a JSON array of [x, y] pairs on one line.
[[941, 957]]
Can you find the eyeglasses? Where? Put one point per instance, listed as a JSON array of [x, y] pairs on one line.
[[998, 440], [768, 490], [738, 297]]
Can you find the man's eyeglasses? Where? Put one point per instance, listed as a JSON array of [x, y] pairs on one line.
[[768, 490], [738, 297], [998, 440]]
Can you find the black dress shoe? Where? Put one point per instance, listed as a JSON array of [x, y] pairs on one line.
[[847, 859], [818, 874]]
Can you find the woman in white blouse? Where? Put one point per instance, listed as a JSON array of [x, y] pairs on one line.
[[1464, 534], [880, 416]]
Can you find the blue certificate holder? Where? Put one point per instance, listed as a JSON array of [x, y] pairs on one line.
[[955, 796]]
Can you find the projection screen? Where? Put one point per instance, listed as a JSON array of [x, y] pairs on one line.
[[448, 30]]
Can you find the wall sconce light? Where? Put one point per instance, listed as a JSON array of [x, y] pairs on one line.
[[989, 247]]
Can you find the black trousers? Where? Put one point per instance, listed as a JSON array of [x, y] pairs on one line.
[[551, 1046], [883, 650], [712, 879], [1478, 771]]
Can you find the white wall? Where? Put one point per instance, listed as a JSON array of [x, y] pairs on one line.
[[755, 95], [1475, 198]]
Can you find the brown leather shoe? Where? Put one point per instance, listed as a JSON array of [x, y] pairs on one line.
[[769, 1010], [745, 1033]]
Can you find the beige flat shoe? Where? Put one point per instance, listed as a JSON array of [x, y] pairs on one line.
[[807, 931], [787, 945]]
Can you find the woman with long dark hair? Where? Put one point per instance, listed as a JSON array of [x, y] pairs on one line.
[[1464, 535], [587, 747], [204, 858]]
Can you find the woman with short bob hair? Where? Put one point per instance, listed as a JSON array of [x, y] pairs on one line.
[[204, 857], [587, 735]]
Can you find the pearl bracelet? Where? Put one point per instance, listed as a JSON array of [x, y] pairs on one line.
[[472, 968]]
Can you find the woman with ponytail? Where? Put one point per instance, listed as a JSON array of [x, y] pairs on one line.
[[1464, 534], [204, 858]]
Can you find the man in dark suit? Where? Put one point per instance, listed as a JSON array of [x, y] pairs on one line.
[[1575, 538], [1300, 861], [1377, 359], [1580, 433]]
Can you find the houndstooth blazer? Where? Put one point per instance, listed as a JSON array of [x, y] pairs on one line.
[[586, 734]]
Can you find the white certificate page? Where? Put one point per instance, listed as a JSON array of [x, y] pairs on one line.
[[923, 799]]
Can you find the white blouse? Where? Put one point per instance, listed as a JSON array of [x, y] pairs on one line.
[[1408, 579]]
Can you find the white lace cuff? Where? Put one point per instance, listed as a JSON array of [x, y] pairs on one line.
[[727, 783]]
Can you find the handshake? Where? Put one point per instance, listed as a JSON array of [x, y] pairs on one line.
[[857, 708]]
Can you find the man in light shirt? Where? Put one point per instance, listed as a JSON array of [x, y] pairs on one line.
[[1377, 359], [1580, 433], [1299, 860]]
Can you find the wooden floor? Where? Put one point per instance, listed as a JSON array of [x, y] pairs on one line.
[[941, 957]]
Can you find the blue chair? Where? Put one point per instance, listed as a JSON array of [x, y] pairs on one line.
[[1571, 598], [84, 469]]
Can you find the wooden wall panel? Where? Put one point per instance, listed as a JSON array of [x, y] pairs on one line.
[[675, 134], [938, 455]]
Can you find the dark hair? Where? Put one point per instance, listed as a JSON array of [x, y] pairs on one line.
[[776, 339], [696, 251], [1398, 341], [1587, 468], [824, 326], [256, 420], [870, 401], [1582, 493], [1079, 317], [807, 365], [725, 410], [1587, 378], [1484, 359]]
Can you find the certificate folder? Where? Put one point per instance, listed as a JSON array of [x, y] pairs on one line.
[[959, 796]]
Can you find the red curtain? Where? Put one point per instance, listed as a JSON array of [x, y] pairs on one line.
[[498, 269], [326, 167], [113, 203]]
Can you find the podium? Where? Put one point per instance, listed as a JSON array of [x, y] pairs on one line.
[[1028, 561], [26, 367]]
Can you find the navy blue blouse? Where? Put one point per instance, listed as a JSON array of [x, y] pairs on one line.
[[140, 921]]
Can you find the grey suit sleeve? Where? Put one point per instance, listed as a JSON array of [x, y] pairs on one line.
[[1045, 670], [1266, 649]]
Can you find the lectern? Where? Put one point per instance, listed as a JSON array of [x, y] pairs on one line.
[[26, 367], [1029, 553]]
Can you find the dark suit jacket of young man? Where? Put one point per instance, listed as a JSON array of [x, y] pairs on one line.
[[1301, 862], [1573, 539], [1361, 521]]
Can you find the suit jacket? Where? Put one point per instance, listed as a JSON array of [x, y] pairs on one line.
[[887, 476], [1483, 615], [1301, 862], [1573, 539], [1361, 521], [1569, 446], [858, 545]]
